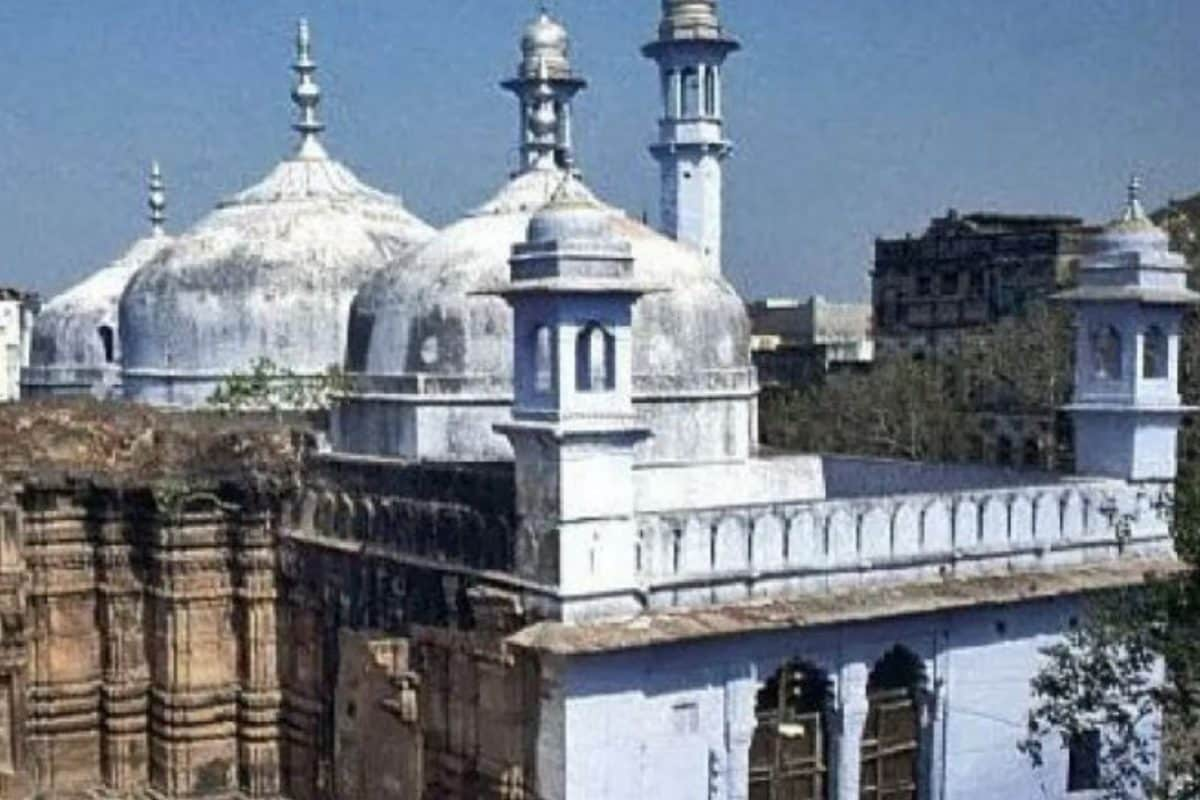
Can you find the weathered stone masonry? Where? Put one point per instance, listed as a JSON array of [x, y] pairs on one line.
[[150, 663]]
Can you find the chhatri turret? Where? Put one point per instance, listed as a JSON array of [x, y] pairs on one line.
[[545, 85], [1131, 298], [572, 290], [690, 50]]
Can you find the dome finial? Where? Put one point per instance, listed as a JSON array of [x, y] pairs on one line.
[[1133, 205], [306, 94], [157, 201]]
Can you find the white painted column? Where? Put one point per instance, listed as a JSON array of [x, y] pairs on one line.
[[852, 718], [740, 693], [718, 109]]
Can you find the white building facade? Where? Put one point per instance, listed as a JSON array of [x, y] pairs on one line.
[[17, 314]]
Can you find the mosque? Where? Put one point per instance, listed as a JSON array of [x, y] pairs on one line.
[[540, 555]]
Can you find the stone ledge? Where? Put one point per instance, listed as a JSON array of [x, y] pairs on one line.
[[811, 610]]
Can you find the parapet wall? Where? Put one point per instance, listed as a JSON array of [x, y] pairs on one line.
[[689, 558]]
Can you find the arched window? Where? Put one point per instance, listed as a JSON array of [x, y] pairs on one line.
[[108, 342], [543, 360], [1106, 353], [691, 93], [788, 751], [710, 92], [891, 743], [595, 359], [1154, 353]]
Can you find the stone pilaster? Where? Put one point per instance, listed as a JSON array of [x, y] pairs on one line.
[[124, 696], [194, 654], [260, 698], [63, 696], [13, 649]]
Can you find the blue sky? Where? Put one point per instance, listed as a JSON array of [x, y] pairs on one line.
[[852, 118]]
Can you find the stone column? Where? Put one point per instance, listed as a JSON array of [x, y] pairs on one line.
[[193, 651], [740, 693], [13, 650], [124, 695], [852, 718], [63, 697], [259, 699]]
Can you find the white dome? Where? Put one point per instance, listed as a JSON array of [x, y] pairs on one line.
[[421, 314], [269, 274], [78, 328]]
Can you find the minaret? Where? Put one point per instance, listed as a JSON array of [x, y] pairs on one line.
[[690, 51], [157, 201], [307, 96], [1130, 301], [545, 85], [574, 427]]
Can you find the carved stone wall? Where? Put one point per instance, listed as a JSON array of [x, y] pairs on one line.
[[151, 662]]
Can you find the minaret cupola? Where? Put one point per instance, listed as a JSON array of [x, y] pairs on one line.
[[690, 51], [545, 86]]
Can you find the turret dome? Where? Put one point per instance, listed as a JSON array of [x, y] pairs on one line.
[[1132, 229], [269, 274], [545, 42]]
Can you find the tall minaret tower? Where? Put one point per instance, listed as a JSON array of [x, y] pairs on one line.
[[545, 85], [1131, 298], [690, 51]]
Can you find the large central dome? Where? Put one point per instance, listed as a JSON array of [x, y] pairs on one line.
[[269, 274], [431, 358]]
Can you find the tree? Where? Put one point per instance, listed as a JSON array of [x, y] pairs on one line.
[[1131, 673], [269, 387], [931, 409]]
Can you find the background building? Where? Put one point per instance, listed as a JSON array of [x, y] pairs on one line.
[[17, 313], [969, 271], [798, 342]]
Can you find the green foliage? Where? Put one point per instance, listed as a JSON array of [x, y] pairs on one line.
[[1181, 220], [1107, 675], [930, 409], [269, 387]]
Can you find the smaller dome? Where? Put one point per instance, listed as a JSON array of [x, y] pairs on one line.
[[1133, 229], [694, 19], [571, 215], [545, 45]]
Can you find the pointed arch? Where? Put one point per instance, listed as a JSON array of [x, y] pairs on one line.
[[891, 743], [1155, 353], [788, 752], [595, 359]]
